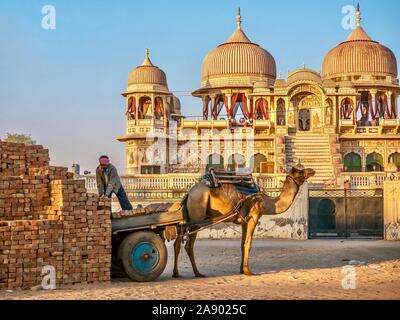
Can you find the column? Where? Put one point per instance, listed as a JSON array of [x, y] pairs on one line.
[[152, 104], [373, 107], [389, 104], [229, 101], [166, 112], [205, 107], [248, 103], [287, 107], [137, 109], [212, 106]]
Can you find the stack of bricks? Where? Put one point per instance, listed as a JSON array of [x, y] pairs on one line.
[[48, 219]]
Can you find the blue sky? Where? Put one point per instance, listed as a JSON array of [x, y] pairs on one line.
[[63, 86]]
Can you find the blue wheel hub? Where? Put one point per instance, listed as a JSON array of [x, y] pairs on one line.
[[145, 257]]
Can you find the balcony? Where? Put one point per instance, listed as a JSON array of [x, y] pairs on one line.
[[367, 180]]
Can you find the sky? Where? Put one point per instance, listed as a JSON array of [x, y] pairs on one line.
[[63, 86]]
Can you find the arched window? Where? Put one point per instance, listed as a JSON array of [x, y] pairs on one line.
[[215, 161], [395, 158], [374, 162], [346, 109], [261, 110], [218, 103], [255, 162], [281, 113], [363, 108], [158, 108], [236, 161], [352, 162], [130, 112], [144, 105], [328, 112]]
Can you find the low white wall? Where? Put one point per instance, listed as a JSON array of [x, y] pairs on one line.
[[292, 224]]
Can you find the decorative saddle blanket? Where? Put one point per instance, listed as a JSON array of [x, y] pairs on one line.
[[243, 182]]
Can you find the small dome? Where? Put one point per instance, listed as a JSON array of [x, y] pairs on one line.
[[147, 73], [359, 55], [303, 74], [280, 82], [238, 61]]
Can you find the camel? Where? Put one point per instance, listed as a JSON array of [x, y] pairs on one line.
[[202, 202]]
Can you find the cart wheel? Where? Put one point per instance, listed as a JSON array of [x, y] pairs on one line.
[[143, 256]]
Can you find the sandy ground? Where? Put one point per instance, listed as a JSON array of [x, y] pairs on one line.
[[286, 270]]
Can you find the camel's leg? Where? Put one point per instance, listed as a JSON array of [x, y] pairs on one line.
[[244, 230], [177, 249], [189, 249], [246, 247]]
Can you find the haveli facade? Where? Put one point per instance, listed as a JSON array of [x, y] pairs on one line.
[[343, 119]]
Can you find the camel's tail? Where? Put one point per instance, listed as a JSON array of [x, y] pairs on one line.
[[184, 207]]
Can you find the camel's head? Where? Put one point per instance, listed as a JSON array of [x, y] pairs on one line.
[[301, 174]]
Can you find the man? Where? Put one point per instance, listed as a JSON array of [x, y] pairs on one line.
[[108, 182]]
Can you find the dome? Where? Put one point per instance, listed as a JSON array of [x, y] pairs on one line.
[[280, 82], [147, 73], [303, 74], [237, 62], [359, 55]]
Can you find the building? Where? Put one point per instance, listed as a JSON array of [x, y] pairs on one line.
[[340, 121]]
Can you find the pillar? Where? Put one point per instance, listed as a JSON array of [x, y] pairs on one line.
[[389, 103], [229, 102], [373, 95], [212, 106]]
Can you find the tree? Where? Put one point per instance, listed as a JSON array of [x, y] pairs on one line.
[[20, 138]]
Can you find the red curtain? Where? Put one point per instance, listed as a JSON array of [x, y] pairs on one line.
[[343, 108], [261, 105], [143, 107], [393, 113], [214, 108], [131, 108], [373, 111], [205, 107], [229, 111], [158, 108], [246, 111]]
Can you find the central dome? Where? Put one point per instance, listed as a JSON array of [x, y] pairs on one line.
[[237, 62]]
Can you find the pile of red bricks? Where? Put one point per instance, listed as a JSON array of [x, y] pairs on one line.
[[48, 219]]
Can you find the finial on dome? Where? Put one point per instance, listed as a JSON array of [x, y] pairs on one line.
[[238, 19], [147, 61], [358, 15], [280, 74]]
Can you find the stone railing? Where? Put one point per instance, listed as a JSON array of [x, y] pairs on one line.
[[171, 187], [367, 180]]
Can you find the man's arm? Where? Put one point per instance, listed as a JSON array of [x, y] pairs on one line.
[[99, 181], [112, 182]]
